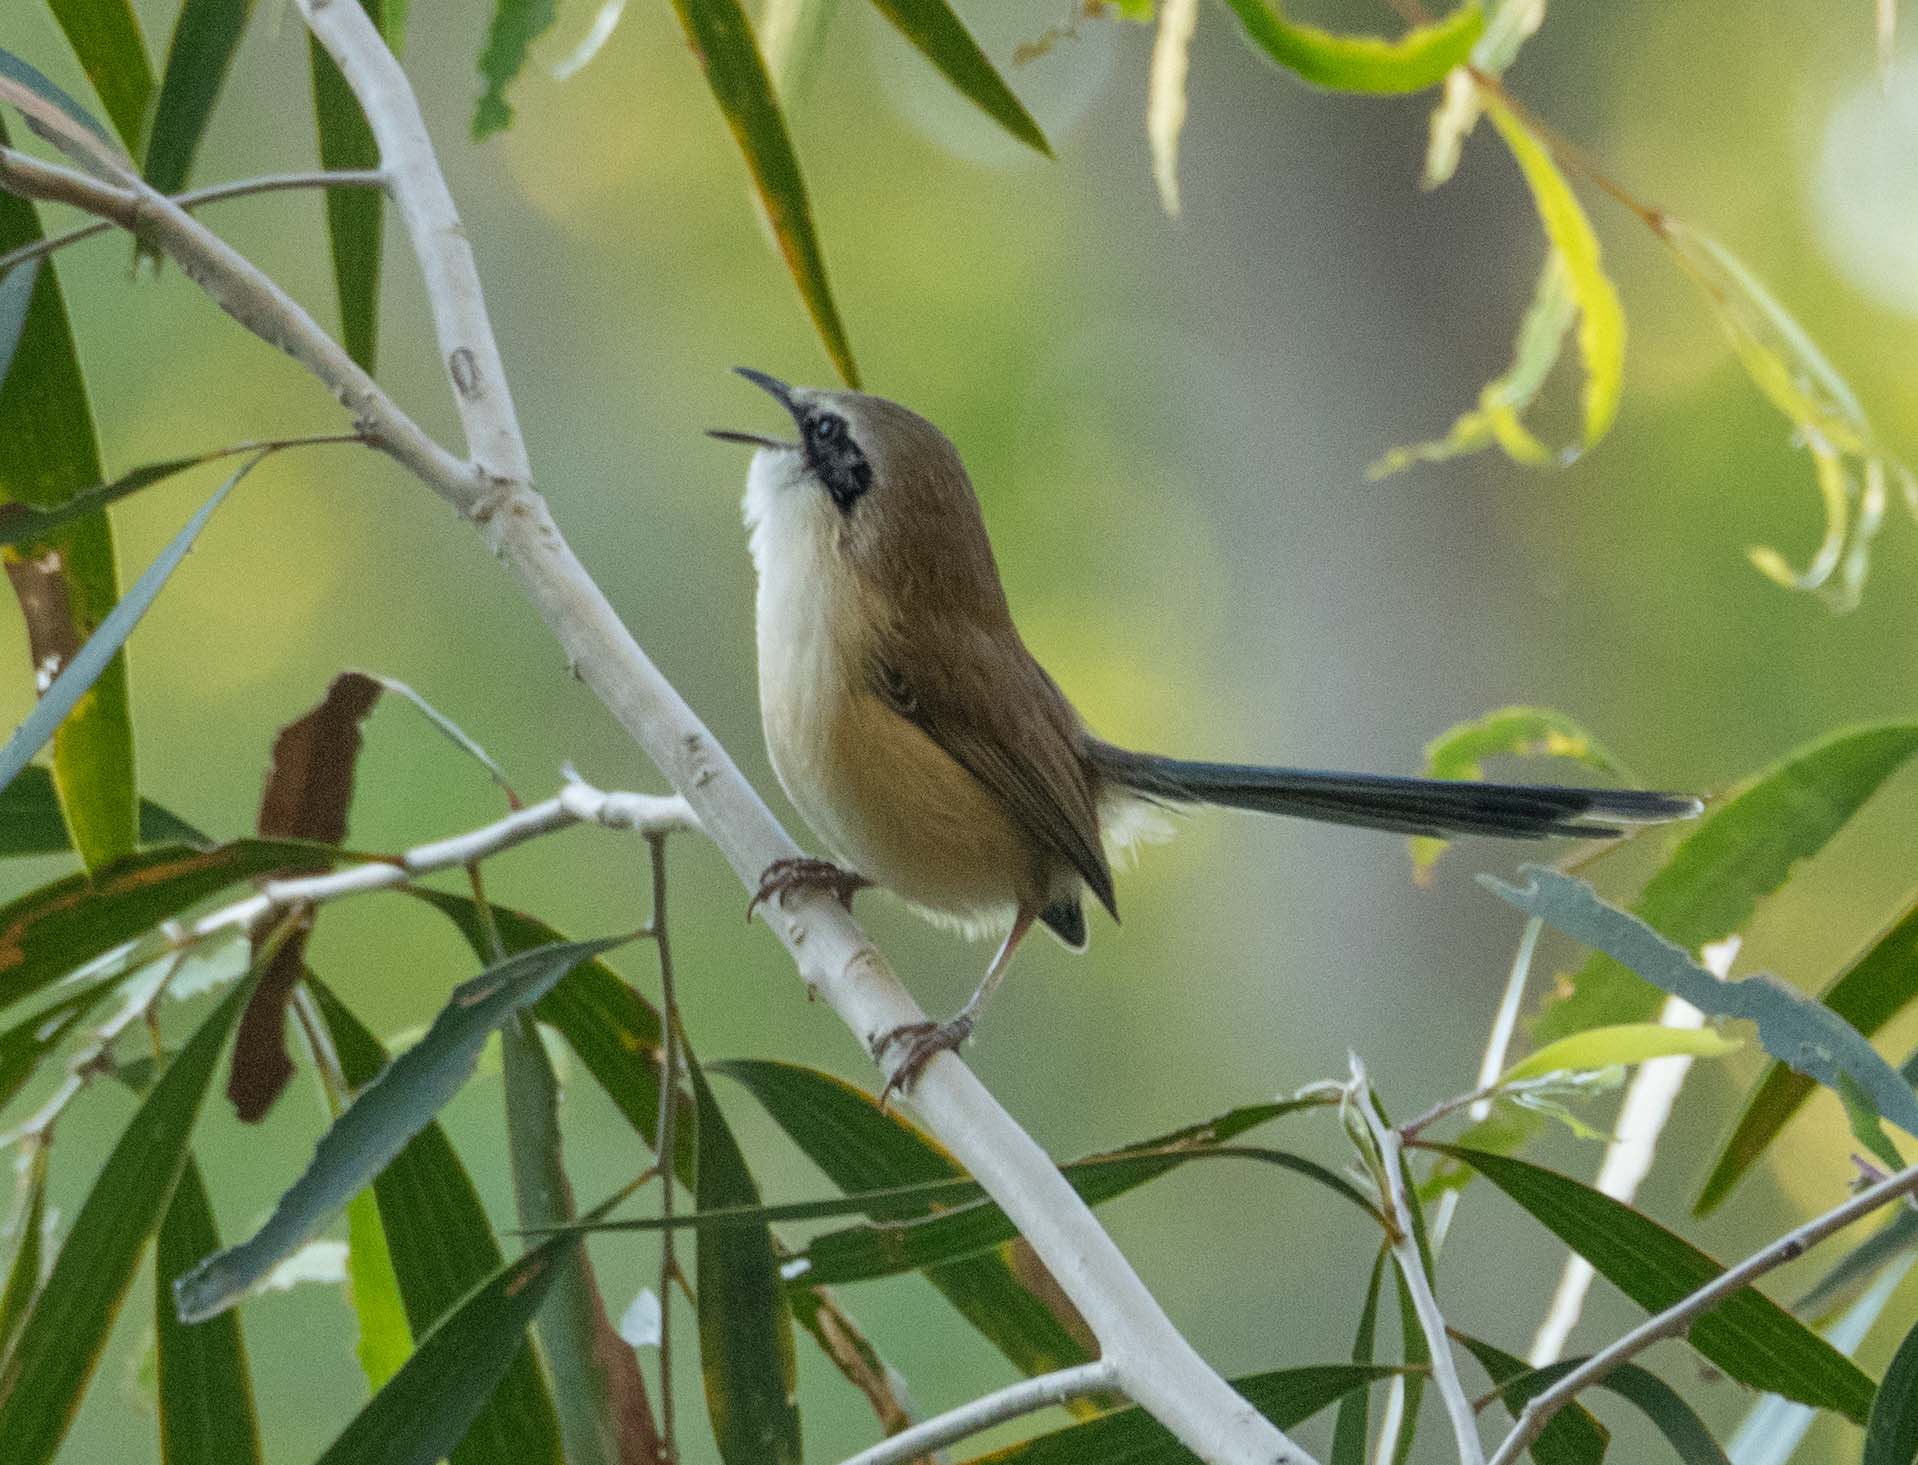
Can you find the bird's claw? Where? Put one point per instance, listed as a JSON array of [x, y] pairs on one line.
[[800, 873], [923, 1040]]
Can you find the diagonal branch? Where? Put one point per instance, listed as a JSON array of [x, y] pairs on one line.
[[1151, 1361], [1028, 1396]]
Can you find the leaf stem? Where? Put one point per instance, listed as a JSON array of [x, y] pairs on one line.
[[667, 1141]]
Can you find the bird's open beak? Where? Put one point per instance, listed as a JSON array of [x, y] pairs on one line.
[[776, 389]]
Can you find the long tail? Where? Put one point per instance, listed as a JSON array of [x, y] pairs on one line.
[[1403, 805]]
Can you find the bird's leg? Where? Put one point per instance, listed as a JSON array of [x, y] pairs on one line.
[[782, 876], [927, 1038]]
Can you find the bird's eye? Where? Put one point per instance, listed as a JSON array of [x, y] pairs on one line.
[[826, 429]]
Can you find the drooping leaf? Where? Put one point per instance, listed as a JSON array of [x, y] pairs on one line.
[[309, 788], [1416, 60], [1573, 1436], [1785, 364], [1794, 1028], [205, 36], [1508, 25], [429, 1405], [29, 1224], [1572, 284], [23, 524], [84, 667], [54, 115], [105, 36], [1623, 1045], [353, 215], [605, 1418], [722, 40], [453, 732], [1747, 1335], [48, 932], [1744, 848], [30, 822], [44, 1377], [516, 25], [205, 1389], [1288, 1397], [614, 1030], [942, 38], [1526, 732], [383, 1117], [441, 1248], [745, 1332], [1891, 1435], [67, 584]]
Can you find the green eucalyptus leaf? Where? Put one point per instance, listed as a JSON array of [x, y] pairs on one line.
[[942, 38], [105, 36], [200, 1364], [205, 36]]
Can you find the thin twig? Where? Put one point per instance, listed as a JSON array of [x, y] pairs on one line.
[[1676, 1318], [1405, 1251], [667, 1140], [1024, 1397], [193, 198]]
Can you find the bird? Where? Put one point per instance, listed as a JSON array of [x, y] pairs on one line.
[[933, 755]]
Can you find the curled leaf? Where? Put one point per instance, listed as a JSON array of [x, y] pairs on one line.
[[1416, 60], [1165, 105]]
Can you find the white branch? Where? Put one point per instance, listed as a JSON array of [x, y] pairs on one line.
[[1152, 1362], [1676, 1318], [1025, 1397], [1405, 1251]]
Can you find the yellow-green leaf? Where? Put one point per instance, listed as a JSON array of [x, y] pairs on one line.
[[1416, 60], [1624, 1044], [1797, 378]]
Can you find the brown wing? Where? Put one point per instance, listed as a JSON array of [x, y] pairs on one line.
[[1000, 717]]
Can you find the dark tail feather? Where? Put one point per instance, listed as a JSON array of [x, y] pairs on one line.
[[1431, 806]]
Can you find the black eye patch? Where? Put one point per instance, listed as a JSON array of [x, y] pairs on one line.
[[835, 458]]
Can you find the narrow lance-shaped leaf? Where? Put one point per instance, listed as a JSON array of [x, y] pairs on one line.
[[942, 38], [60, 1344], [1746, 1334], [1873, 989], [353, 215], [105, 35], [384, 1116], [515, 26], [87, 666], [1794, 1028], [309, 788], [1287, 1397], [1745, 847], [205, 36], [16, 294], [1891, 1435], [29, 1236], [200, 1364], [1797, 378], [1573, 284], [605, 1418], [49, 932], [722, 39], [817, 1310], [428, 1406], [66, 584], [1353, 1428], [1620, 1046], [745, 1333], [1526, 732], [1416, 60], [441, 1247]]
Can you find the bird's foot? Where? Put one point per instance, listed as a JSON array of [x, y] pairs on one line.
[[923, 1040], [782, 876]]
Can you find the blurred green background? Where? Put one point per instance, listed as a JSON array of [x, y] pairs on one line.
[[1168, 423]]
